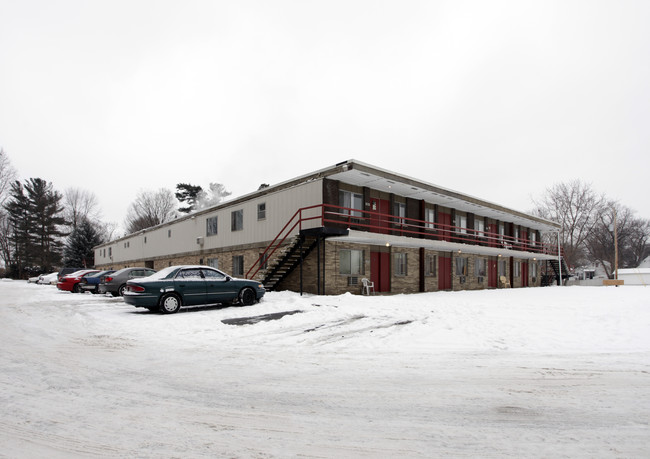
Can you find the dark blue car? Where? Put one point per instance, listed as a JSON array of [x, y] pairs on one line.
[[91, 283]]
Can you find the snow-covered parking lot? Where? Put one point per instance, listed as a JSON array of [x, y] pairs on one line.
[[546, 372]]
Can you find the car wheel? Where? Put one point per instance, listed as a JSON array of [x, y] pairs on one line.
[[76, 288], [170, 303], [120, 290], [247, 297]]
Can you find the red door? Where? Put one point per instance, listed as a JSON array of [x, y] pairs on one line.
[[378, 223], [492, 273], [444, 273], [524, 274], [445, 224], [380, 271], [524, 239]]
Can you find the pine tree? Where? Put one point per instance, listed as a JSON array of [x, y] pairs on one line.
[[35, 218], [80, 244], [189, 194]]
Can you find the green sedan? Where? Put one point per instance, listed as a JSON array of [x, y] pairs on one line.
[[177, 286]]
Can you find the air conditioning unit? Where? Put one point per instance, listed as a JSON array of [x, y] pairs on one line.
[[199, 240]]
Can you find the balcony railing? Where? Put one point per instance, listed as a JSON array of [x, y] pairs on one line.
[[376, 222]]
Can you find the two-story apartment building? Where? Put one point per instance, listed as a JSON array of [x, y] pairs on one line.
[[326, 231]]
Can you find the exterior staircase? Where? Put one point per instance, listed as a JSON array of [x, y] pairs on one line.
[[551, 277], [290, 257]]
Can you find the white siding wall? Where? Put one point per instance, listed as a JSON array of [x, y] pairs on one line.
[[280, 207]]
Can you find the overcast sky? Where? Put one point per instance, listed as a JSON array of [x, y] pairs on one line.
[[499, 100]]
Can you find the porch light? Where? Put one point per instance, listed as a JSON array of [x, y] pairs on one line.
[[388, 244]]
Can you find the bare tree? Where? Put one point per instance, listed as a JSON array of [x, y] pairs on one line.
[[80, 205], [632, 234], [578, 208], [7, 177], [150, 208]]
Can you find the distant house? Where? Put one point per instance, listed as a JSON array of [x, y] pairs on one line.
[[635, 276], [326, 231]]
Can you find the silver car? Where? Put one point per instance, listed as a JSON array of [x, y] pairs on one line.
[[116, 283]]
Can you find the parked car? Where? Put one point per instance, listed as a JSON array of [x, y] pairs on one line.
[[116, 282], [91, 282], [172, 288], [65, 271], [70, 282], [48, 279], [33, 280]]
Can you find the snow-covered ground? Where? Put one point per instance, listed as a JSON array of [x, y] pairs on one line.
[[546, 372]]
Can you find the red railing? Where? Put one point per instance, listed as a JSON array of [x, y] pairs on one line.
[[375, 222]]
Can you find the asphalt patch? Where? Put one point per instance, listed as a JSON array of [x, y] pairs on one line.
[[262, 318]]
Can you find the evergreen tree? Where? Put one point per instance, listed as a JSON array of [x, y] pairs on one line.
[[80, 244], [35, 217], [188, 194]]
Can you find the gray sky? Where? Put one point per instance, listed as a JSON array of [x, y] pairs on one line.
[[495, 99]]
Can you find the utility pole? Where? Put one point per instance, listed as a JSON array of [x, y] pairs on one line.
[[615, 247]]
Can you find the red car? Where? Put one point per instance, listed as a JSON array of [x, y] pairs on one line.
[[70, 283]]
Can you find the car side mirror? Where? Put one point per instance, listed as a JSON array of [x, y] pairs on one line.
[[228, 278]]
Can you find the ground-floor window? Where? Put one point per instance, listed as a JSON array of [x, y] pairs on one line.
[[479, 267], [461, 266], [517, 269], [351, 262], [533, 271], [238, 265], [400, 264], [213, 262], [502, 268], [430, 265]]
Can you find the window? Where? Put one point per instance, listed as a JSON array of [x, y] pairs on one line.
[[261, 211], [533, 271], [127, 245], [351, 200], [502, 231], [479, 226], [169, 233], [110, 251], [461, 266], [212, 275], [430, 217], [461, 223], [400, 211], [516, 231], [238, 265], [400, 260], [264, 259], [502, 267], [351, 262], [190, 274], [533, 238], [213, 263], [237, 220], [430, 265], [479, 267], [517, 272], [145, 239], [211, 226]]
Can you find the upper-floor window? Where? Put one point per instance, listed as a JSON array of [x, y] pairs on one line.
[[261, 211], [169, 233], [502, 231], [461, 223], [211, 226], [516, 231], [400, 211], [237, 220], [533, 237], [479, 226], [351, 200], [430, 218]]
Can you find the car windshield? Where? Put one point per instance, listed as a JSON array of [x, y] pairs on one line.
[[163, 273]]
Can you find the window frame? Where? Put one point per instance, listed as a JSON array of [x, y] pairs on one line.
[[346, 264], [238, 262], [261, 211], [480, 267], [348, 199], [209, 226], [400, 264], [430, 264], [461, 269], [461, 224], [237, 220]]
